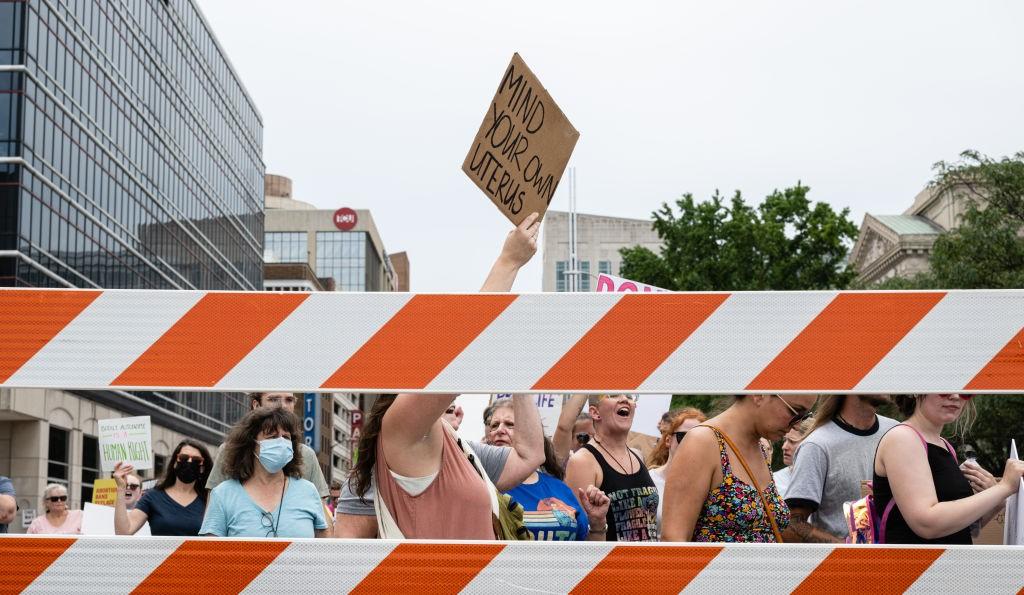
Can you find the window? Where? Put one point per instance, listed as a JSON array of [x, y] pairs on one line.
[[285, 247], [90, 465], [342, 255], [159, 463], [561, 283], [59, 455], [584, 276], [604, 267]]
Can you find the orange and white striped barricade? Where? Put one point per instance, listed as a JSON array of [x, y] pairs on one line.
[[106, 565], [724, 343]]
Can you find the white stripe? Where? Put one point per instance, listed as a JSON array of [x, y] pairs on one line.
[[314, 341], [524, 342], [950, 345], [992, 570], [737, 342], [106, 338], [104, 565], [321, 566], [764, 569], [538, 567]]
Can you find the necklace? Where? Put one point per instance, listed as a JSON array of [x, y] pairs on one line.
[[621, 466]]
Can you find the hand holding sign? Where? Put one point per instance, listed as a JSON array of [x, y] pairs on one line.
[[521, 242]]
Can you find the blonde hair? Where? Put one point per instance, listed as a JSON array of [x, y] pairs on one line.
[[907, 404]]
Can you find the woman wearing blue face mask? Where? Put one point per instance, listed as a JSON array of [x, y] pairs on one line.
[[265, 495]]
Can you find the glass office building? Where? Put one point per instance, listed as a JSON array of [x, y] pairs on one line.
[[130, 157]]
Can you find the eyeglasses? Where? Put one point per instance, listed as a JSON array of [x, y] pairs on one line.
[[267, 520], [133, 486], [797, 417], [58, 498], [964, 397], [183, 458], [583, 438], [679, 436]]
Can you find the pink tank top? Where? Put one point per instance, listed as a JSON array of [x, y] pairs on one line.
[[456, 505]]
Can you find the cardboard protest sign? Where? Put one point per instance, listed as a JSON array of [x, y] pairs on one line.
[[548, 405], [611, 283], [126, 439], [104, 492], [522, 147]]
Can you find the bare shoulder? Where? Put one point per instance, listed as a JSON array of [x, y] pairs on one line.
[[582, 458], [700, 439]]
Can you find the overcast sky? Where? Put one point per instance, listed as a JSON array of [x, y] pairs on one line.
[[374, 104]]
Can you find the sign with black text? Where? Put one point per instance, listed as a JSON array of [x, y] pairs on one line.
[[522, 147], [128, 440]]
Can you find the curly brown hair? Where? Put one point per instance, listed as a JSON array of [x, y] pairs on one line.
[[240, 448], [659, 456]]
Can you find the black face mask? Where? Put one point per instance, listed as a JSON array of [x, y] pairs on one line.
[[186, 472]]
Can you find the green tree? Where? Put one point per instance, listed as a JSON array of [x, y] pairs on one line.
[[785, 243], [986, 251]]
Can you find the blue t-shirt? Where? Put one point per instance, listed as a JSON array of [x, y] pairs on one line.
[[7, 489], [167, 517], [232, 513], [551, 511]]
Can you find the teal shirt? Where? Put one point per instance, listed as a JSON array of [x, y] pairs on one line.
[[232, 513]]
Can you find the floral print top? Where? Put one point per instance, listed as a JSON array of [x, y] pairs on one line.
[[732, 511]]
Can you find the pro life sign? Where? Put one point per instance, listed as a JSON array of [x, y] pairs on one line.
[[522, 147]]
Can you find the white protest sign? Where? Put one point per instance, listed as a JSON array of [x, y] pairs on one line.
[[549, 406], [613, 284], [127, 439], [1013, 528], [98, 519]]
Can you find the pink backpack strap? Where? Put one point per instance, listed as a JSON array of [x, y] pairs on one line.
[[924, 442]]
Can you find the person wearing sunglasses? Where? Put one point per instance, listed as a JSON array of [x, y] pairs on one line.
[[175, 506], [916, 472], [719, 487], [265, 494], [830, 465], [574, 428], [679, 423], [58, 520], [132, 491]]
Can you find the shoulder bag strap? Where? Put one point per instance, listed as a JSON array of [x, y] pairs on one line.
[[757, 487]]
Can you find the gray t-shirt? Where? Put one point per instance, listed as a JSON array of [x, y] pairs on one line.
[[310, 470], [492, 459], [828, 468]]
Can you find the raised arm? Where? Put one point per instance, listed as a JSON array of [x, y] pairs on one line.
[[126, 522], [520, 246], [527, 443], [562, 438]]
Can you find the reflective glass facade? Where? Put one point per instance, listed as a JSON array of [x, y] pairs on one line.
[[349, 257], [130, 157], [287, 246], [133, 155]]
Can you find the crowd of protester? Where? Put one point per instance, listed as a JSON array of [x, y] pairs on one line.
[[706, 480]]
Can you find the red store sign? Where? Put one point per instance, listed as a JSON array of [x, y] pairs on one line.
[[345, 219]]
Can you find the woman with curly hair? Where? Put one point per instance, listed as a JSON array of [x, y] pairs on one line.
[[265, 495], [680, 422]]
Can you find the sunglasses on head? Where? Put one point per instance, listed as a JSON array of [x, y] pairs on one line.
[[797, 417], [679, 436], [189, 458], [582, 438], [58, 498]]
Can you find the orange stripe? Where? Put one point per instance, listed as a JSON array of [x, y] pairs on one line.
[[428, 568], [29, 319], [23, 559], [211, 567], [419, 341], [880, 570], [845, 341], [210, 340], [646, 569], [1005, 371], [635, 337]]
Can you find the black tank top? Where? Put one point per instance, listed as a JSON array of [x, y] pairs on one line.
[[633, 510], [950, 484]]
